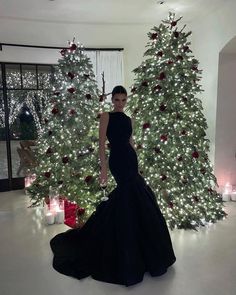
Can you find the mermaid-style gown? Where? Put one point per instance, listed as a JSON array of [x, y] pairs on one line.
[[127, 235]]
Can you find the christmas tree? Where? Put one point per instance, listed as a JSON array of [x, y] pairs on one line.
[[170, 129], [67, 149]]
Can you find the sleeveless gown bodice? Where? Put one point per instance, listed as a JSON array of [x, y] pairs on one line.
[[127, 235]]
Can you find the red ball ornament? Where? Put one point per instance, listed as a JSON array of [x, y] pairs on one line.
[[171, 205], [55, 111], [47, 174], [71, 89], [173, 23], [154, 36], [195, 154], [176, 34], [162, 107], [146, 125], [88, 179], [162, 76], [49, 151], [163, 177], [88, 96], [157, 88], [164, 137], [73, 47], [63, 52], [72, 112], [65, 160], [71, 75], [170, 62]]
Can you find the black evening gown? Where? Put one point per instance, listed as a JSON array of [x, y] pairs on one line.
[[127, 235]]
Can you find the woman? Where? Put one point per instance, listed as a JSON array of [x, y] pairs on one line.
[[127, 235]]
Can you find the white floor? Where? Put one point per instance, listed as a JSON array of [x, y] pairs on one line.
[[206, 260]]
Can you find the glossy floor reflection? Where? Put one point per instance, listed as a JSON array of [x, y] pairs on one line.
[[206, 260]]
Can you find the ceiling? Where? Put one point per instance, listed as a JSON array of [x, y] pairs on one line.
[[106, 11]]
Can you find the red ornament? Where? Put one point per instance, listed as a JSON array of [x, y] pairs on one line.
[[72, 112], [195, 154], [71, 89], [73, 47], [157, 88], [144, 83], [160, 53], [88, 96], [173, 23], [65, 160], [88, 179], [102, 98], [47, 174], [71, 75], [170, 62], [146, 125], [162, 107], [55, 111], [81, 211], [171, 205], [154, 36], [164, 137], [186, 48], [63, 52], [162, 76], [176, 34], [163, 177], [49, 151]]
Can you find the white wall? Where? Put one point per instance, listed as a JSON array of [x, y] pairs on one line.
[[225, 161], [132, 38]]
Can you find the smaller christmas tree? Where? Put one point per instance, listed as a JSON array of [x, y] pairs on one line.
[[67, 149], [170, 129]]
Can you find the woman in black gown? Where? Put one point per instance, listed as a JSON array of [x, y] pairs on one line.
[[127, 235]]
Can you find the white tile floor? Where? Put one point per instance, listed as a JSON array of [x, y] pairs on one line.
[[206, 260]]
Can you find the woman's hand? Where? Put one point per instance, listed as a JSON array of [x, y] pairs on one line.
[[103, 177]]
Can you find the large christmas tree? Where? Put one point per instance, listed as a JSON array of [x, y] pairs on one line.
[[170, 129], [67, 149]]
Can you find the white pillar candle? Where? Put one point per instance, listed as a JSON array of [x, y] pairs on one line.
[[50, 218], [233, 196], [60, 216]]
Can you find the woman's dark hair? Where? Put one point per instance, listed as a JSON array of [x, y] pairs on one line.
[[118, 90]]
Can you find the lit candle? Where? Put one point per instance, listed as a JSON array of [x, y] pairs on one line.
[[50, 218]]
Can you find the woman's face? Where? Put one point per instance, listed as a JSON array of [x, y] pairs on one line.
[[119, 101]]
